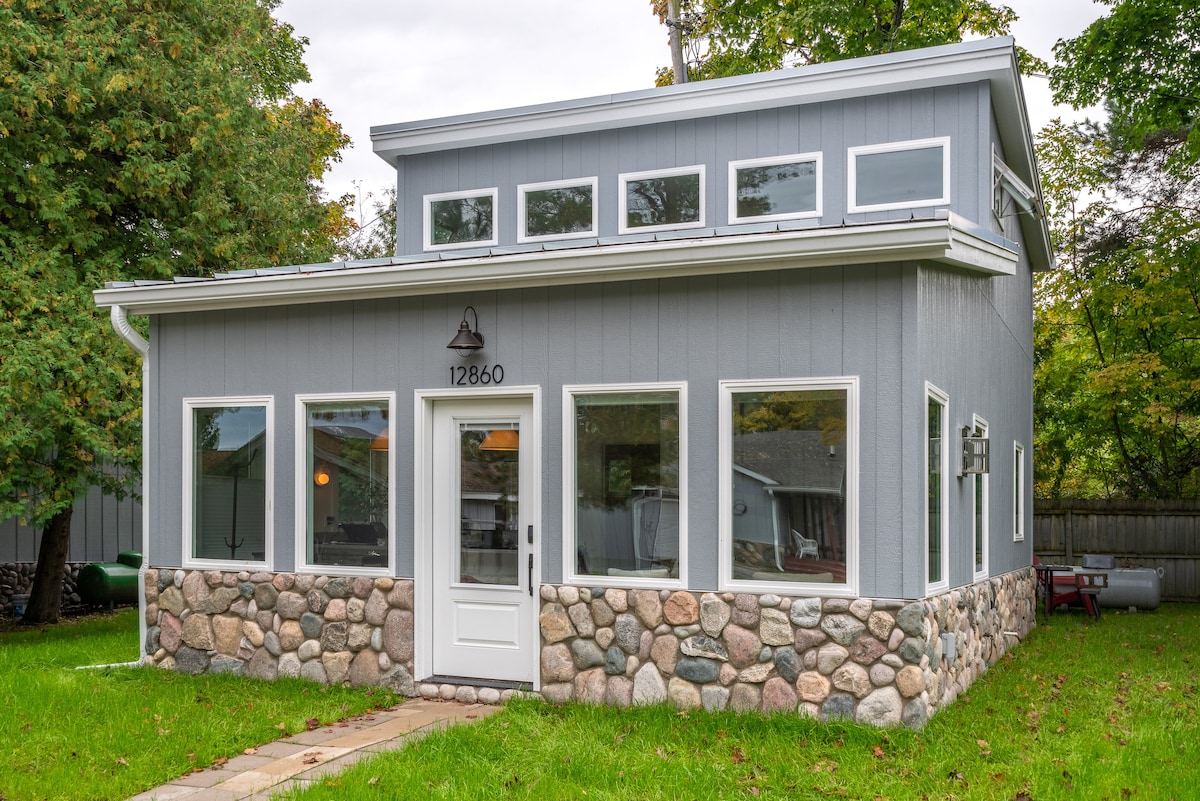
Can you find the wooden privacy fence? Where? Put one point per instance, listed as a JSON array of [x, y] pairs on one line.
[[1151, 534]]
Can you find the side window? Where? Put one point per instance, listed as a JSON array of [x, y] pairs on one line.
[[556, 210], [899, 175], [625, 504], [460, 219], [778, 188], [979, 498], [789, 489], [662, 200], [343, 493], [936, 489], [1018, 492], [227, 480]]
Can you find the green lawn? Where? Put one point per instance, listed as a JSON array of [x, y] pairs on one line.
[[114, 732], [1079, 711]]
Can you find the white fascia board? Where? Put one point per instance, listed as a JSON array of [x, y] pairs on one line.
[[941, 240], [991, 60]]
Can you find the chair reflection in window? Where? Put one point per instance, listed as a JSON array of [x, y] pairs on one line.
[[656, 528]]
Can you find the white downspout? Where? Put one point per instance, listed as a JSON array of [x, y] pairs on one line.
[[120, 324]]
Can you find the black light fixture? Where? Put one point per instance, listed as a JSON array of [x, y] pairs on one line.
[[467, 340]]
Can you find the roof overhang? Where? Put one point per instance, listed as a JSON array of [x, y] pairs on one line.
[[948, 240]]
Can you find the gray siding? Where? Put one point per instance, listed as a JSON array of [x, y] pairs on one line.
[[960, 112], [826, 322], [977, 346], [101, 528]]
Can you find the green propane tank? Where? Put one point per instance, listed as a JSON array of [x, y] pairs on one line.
[[111, 583]]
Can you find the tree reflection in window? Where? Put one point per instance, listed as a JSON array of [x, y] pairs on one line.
[[558, 211], [627, 483], [465, 219], [664, 200], [776, 189]]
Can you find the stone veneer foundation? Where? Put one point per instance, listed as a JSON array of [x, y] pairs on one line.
[[880, 662]]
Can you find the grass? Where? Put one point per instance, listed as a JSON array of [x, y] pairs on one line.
[[111, 733], [1080, 710]]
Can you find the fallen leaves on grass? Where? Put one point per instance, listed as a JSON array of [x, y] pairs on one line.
[[312, 723]]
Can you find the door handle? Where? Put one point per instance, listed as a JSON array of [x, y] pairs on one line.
[[531, 573], [529, 535]]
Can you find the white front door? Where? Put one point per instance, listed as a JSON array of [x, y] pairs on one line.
[[484, 619]]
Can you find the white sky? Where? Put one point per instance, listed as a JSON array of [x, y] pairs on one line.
[[375, 62]]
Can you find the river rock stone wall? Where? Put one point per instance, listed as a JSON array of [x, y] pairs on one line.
[[886, 663], [16, 578], [326, 629]]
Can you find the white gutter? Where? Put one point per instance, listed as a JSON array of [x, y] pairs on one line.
[[120, 324], [951, 240]]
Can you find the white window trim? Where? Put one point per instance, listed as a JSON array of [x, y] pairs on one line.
[[570, 574], [771, 161], [725, 487], [427, 218], [852, 154], [1019, 492], [624, 178], [190, 405], [980, 428], [523, 189], [303, 475], [943, 584]]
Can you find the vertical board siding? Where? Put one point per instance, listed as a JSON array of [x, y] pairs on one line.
[[101, 527], [802, 323], [1150, 534], [829, 127]]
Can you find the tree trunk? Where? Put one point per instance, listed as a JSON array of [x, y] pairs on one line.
[[45, 598]]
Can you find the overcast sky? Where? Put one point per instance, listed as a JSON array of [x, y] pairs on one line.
[[377, 62]]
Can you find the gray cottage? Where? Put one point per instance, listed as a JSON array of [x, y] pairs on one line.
[[717, 395]]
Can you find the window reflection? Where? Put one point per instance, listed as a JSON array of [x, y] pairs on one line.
[[789, 485], [899, 176], [489, 505], [558, 211], [347, 481], [627, 484], [776, 189], [229, 483], [465, 219], [662, 200]]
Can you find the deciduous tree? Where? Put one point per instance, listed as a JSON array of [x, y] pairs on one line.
[[734, 37], [137, 140]]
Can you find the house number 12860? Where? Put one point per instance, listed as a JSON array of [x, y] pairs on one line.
[[476, 375]]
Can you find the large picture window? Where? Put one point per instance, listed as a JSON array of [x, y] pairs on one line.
[[625, 481], [937, 524], [789, 458], [345, 480], [227, 479], [460, 219], [899, 175], [556, 210], [660, 200], [779, 188]]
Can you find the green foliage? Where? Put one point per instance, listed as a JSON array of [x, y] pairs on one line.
[[373, 234], [1142, 61], [136, 141], [743, 36], [1117, 351]]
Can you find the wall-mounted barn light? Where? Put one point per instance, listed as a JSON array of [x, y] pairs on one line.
[[468, 339], [976, 453]]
